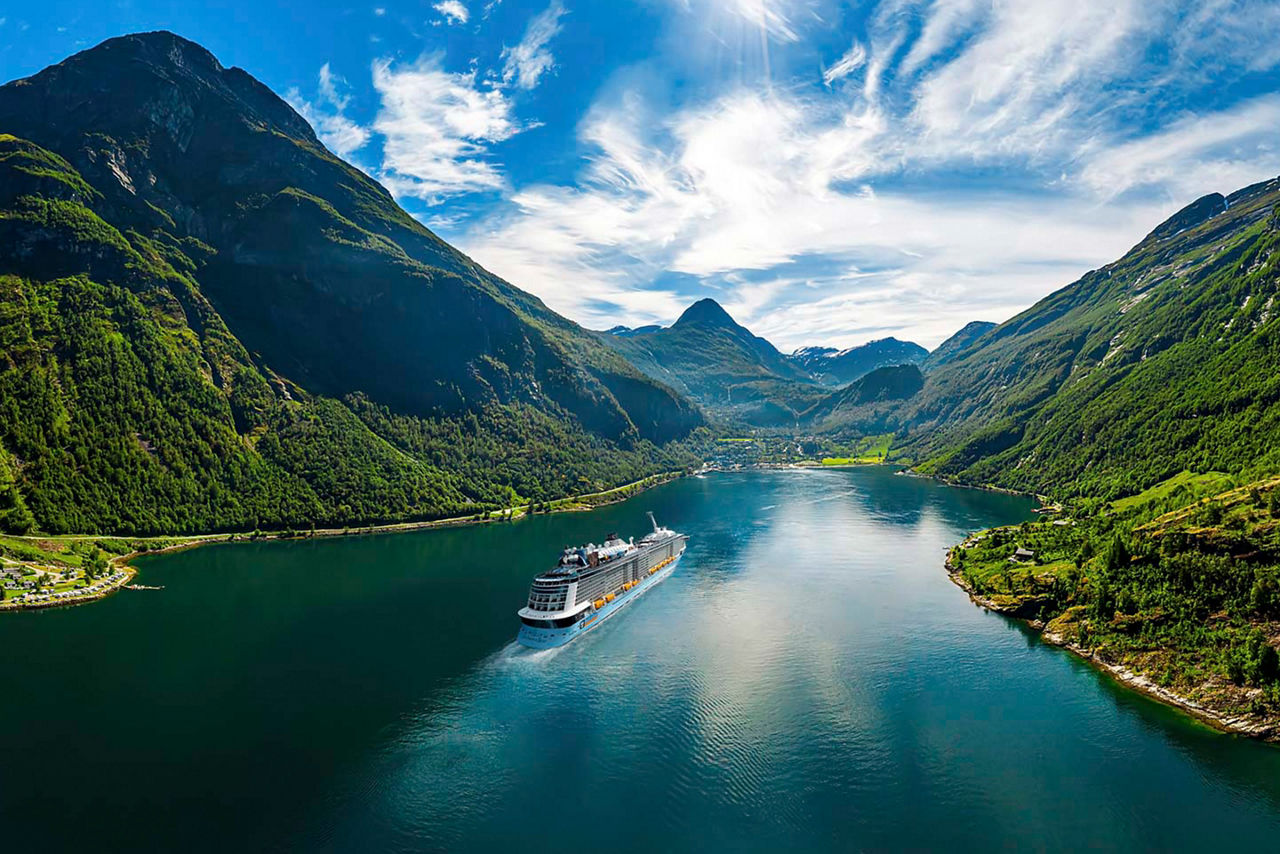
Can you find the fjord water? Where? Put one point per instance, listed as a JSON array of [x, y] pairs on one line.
[[808, 679]]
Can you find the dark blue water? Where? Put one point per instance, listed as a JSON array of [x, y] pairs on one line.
[[808, 679]]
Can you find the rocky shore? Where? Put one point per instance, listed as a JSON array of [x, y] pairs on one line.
[[1264, 728]]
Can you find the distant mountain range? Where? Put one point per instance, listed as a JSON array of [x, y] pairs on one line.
[[838, 368], [1164, 361], [211, 322], [738, 375], [707, 355]]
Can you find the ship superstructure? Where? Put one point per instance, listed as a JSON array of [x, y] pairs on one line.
[[592, 582]]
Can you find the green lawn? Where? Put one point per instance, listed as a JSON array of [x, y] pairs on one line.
[[869, 449], [1180, 489]]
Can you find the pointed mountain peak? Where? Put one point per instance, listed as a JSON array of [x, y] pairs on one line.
[[160, 45], [707, 312], [139, 88]]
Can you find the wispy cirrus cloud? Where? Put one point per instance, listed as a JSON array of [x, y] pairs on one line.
[[939, 161], [327, 114], [528, 60], [814, 202], [1193, 155], [740, 202], [853, 59], [437, 127]]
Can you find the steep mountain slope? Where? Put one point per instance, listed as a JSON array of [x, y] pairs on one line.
[[838, 368], [868, 404], [956, 346], [719, 363], [212, 322], [1163, 361]]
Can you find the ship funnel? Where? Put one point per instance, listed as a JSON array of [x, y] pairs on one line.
[[649, 513]]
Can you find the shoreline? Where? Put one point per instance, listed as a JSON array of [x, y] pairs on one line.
[[569, 504], [908, 471], [124, 562], [1134, 681], [118, 565]]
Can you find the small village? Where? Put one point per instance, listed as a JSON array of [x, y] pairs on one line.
[[767, 450]]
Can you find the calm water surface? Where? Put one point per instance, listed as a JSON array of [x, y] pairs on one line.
[[807, 679]]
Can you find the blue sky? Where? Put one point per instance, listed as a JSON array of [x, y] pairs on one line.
[[831, 172]]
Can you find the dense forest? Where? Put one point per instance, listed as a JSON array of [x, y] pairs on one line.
[[1180, 583]]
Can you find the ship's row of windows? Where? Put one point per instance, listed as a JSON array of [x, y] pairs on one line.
[[606, 582], [592, 585], [548, 600]]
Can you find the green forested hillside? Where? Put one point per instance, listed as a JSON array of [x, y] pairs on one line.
[[1163, 361], [1180, 584], [869, 405], [210, 322], [719, 363], [956, 346]]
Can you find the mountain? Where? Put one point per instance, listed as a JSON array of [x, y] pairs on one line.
[[722, 365], [837, 368], [628, 332], [212, 322], [869, 403], [955, 346], [1163, 361]]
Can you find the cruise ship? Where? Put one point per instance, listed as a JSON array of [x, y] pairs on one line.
[[592, 583]]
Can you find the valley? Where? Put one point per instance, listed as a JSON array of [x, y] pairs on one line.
[[214, 328], [763, 425]]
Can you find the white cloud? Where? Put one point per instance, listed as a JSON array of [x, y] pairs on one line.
[[1194, 155], [454, 11], [525, 63], [1028, 77], [947, 21], [1224, 33], [745, 185], [992, 153], [327, 114], [853, 59], [379, 11], [437, 127]]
